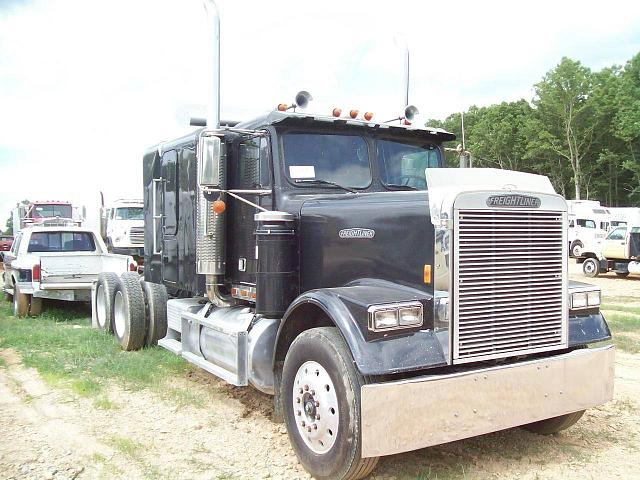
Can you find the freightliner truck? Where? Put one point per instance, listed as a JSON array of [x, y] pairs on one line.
[[387, 303]]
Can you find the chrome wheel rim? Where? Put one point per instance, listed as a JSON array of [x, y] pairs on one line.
[[577, 250], [101, 306], [315, 407], [119, 314], [589, 267]]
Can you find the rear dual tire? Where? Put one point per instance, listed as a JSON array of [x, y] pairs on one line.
[[129, 325], [105, 295]]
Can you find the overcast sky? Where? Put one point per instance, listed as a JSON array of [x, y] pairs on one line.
[[87, 86]]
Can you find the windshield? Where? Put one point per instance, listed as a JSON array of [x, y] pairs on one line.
[[403, 164], [47, 211], [61, 242], [341, 159], [129, 213]]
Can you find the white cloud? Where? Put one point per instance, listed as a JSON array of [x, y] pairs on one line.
[[86, 86]]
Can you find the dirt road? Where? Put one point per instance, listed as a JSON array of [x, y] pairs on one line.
[[54, 434]]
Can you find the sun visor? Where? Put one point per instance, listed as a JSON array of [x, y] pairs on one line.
[[445, 184]]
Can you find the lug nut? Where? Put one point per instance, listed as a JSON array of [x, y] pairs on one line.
[[299, 413], [308, 429], [306, 388], [315, 427], [317, 403], [301, 391], [313, 392], [318, 416], [298, 400], [302, 423]]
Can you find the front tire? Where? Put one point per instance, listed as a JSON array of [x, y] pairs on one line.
[[576, 248], [128, 312], [590, 267], [622, 274], [321, 398], [555, 424]]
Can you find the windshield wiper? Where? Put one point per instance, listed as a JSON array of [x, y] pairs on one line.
[[396, 186], [324, 182]]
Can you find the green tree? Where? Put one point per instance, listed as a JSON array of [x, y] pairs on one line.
[[564, 123]]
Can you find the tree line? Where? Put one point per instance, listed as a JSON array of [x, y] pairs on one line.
[[581, 129]]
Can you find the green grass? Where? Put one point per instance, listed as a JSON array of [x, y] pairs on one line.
[[624, 323], [66, 351]]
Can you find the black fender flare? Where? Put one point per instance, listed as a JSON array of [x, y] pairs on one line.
[[394, 352]]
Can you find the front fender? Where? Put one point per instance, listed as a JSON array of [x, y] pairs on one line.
[[346, 308]]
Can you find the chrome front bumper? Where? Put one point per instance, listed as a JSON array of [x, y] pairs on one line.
[[420, 412]]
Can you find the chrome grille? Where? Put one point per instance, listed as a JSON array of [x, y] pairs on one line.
[[509, 283], [136, 235]]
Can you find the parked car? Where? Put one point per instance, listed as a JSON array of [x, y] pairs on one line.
[[5, 244], [618, 252], [58, 263]]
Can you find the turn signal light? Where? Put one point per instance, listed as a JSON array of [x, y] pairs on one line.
[[353, 113], [368, 116], [219, 206], [336, 112], [427, 274], [282, 107]]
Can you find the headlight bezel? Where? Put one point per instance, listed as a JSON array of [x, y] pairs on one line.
[[396, 308]]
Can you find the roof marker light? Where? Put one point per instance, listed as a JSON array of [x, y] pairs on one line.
[[336, 112], [353, 113], [368, 116], [282, 107]]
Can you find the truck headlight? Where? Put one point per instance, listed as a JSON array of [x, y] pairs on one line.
[[395, 316], [585, 299], [593, 298]]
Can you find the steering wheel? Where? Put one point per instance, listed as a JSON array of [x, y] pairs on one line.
[[404, 179]]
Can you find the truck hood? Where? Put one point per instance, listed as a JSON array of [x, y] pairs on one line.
[[446, 183], [383, 235]]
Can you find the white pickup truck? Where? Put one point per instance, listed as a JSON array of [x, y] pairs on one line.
[[60, 263]]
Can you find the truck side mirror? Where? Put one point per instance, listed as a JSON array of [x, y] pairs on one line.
[[209, 161]]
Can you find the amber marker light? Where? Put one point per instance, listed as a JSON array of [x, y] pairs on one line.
[[353, 113], [282, 107], [219, 206], [336, 112], [427, 274], [368, 116], [407, 122]]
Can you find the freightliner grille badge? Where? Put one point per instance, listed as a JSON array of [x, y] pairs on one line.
[[513, 201], [357, 233]]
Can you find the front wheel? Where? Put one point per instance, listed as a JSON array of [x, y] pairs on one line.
[[555, 424], [321, 398], [576, 248], [590, 267]]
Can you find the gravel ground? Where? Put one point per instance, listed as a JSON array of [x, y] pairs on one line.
[[50, 433]]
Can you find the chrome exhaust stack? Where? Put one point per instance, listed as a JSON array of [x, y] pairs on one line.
[[210, 241]]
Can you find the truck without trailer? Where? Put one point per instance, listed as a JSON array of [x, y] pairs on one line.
[[59, 263], [50, 212], [122, 227], [618, 252], [589, 223], [387, 303]]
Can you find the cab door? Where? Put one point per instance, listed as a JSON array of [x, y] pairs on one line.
[[169, 204], [614, 246]]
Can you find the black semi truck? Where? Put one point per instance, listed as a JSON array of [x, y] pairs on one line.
[[388, 303]]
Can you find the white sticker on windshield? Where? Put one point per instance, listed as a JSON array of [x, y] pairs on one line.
[[302, 171]]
